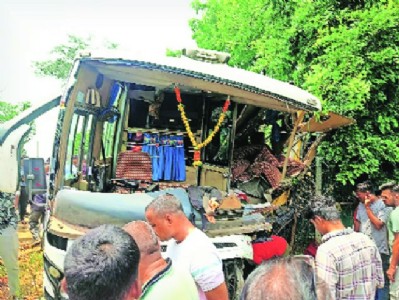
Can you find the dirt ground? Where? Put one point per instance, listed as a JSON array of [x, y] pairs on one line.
[[30, 265]]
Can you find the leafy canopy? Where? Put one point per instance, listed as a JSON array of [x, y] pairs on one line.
[[9, 111], [345, 52], [64, 55]]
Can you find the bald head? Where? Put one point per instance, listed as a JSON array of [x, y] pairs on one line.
[[280, 278], [165, 204], [145, 237]]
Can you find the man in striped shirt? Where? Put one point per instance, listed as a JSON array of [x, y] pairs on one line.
[[347, 261]]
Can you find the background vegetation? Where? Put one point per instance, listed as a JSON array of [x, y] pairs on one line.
[[9, 111], [345, 52], [63, 56]]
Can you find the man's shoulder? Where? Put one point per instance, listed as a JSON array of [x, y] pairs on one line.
[[199, 239], [174, 283], [394, 216], [395, 213], [199, 234], [180, 275], [361, 241], [339, 247], [360, 236], [337, 239], [379, 204], [196, 242]]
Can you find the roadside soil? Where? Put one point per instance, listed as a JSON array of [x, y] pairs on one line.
[[30, 259]]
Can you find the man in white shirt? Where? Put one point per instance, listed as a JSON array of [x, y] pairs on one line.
[[188, 247], [157, 274]]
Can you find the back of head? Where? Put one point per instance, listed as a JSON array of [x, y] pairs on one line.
[[165, 204], [102, 264], [145, 237], [281, 278], [324, 207]]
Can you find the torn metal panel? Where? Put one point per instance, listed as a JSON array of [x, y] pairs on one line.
[[325, 123]]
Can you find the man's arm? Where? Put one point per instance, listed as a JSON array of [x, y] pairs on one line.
[[207, 271], [373, 219], [394, 258], [218, 293], [356, 222]]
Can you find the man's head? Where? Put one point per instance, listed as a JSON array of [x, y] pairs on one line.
[[390, 194], [145, 237], [281, 278], [103, 264], [148, 243], [364, 190], [75, 160], [323, 212], [163, 214]]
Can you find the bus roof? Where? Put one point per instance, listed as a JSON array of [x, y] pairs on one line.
[[243, 86]]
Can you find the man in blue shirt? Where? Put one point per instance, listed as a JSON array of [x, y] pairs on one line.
[[371, 219]]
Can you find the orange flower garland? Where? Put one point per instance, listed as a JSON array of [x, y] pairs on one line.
[[197, 147]]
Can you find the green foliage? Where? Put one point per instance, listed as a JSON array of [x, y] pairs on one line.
[[345, 52], [173, 53], [9, 111], [64, 55], [225, 25]]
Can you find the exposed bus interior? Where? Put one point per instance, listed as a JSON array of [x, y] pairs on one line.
[[116, 116]]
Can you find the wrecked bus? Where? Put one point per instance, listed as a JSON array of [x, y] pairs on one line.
[[131, 128]]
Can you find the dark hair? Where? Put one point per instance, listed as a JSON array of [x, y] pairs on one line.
[[281, 278], [102, 264], [324, 207], [365, 186], [390, 186]]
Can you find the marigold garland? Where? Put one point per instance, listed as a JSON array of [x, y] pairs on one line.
[[197, 147]]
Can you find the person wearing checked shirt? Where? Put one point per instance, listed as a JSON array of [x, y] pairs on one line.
[[347, 262]]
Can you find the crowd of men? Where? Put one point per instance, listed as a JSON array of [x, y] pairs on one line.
[[113, 263], [110, 262], [349, 263]]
